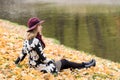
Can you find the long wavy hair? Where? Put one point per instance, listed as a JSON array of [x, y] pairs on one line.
[[31, 34], [34, 33]]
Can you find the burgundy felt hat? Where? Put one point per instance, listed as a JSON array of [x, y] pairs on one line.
[[33, 22]]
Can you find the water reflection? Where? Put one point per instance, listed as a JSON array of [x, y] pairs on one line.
[[93, 30]]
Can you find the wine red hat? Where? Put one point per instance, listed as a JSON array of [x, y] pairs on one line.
[[33, 22]]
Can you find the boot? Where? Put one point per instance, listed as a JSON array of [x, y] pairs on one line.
[[90, 63]]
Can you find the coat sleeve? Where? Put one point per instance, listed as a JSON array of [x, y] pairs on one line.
[[38, 48], [22, 54], [50, 64]]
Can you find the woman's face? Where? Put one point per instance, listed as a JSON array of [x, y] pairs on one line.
[[39, 28]]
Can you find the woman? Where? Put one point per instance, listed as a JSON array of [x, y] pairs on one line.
[[34, 45]]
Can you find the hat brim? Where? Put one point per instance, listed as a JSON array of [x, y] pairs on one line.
[[33, 27]]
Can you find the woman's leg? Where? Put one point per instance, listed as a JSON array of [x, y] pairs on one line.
[[68, 64]]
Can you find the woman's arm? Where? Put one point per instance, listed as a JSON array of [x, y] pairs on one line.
[[50, 64], [37, 46], [22, 54]]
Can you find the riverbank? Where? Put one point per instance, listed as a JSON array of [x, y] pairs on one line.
[[12, 36]]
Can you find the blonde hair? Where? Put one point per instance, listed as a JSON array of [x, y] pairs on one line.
[[31, 34]]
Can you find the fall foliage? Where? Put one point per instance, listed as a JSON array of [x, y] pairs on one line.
[[11, 39]]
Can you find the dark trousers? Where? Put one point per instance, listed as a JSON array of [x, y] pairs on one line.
[[68, 64]]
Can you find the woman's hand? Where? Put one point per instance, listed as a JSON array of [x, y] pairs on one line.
[[17, 60]]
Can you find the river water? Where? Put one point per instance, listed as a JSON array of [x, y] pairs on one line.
[[92, 26]]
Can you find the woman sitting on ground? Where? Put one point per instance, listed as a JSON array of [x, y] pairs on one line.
[[34, 45]]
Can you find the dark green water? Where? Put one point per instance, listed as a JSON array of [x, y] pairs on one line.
[[91, 28]]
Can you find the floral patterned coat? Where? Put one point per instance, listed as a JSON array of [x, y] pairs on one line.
[[37, 58]]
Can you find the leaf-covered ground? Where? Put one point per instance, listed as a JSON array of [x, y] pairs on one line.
[[11, 39]]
